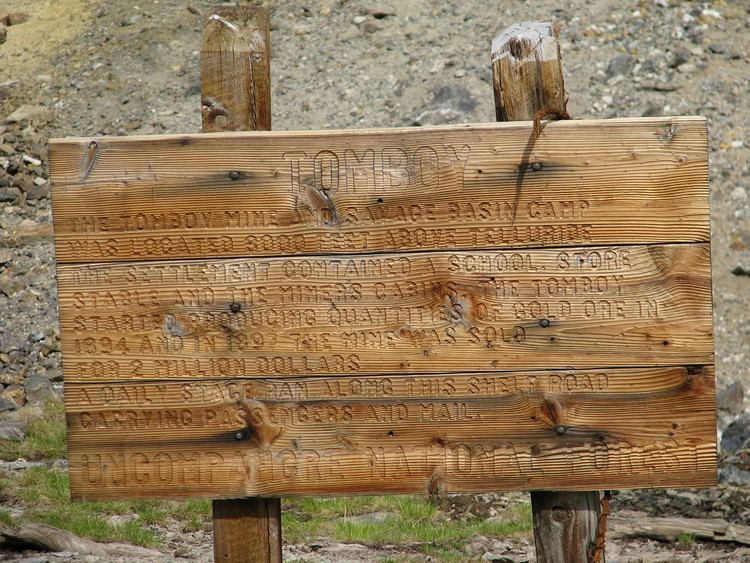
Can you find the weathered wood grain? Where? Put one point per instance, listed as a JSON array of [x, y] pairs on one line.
[[527, 72], [419, 313], [457, 187], [247, 530], [236, 70], [565, 525], [225, 440]]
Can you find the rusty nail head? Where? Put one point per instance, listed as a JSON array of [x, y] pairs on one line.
[[544, 323], [536, 167], [234, 175], [560, 429], [235, 307]]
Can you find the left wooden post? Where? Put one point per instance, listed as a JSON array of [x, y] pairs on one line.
[[236, 96]]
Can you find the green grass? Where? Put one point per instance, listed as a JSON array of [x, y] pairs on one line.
[[46, 494], [6, 517], [405, 520], [45, 437], [686, 540]]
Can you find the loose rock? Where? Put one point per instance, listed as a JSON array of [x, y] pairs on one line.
[[736, 434], [731, 398], [26, 113], [12, 429], [620, 65]]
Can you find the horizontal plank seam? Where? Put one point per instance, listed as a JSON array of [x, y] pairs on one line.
[[113, 263], [385, 374]]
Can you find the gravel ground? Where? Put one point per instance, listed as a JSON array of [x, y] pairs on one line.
[[91, 68]]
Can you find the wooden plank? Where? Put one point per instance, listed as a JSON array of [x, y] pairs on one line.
[[418, 313], [625, 181], [615, 428]]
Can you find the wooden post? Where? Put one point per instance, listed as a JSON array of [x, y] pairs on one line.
[[527, 72], [236, 96], [236, 70], [247, 530], [528, 84]]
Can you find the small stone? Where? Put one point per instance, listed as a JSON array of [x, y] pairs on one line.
[[736, 434], [737, 144], [7, 377], [739, 193], [38, 191], [14, 394], [733, 475], [498, 558], [12, 430], [620, 65], [7, 404], [731, 398], [359, 20], [16, 18], [476, 545], [339, 548], [717, 48], [460, 73], [653, 109], [687, 68], [26, 113], [371, 27], [31, 160], [680, 56], [23, 183], [9, 195], [38, 389], [301, 30]]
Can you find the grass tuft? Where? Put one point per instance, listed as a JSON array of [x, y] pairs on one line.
[[686, 539], [6, 518]]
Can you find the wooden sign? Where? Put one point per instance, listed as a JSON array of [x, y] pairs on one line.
[[452, 309]]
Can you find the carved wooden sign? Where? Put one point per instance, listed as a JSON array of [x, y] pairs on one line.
[[449, 309]]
